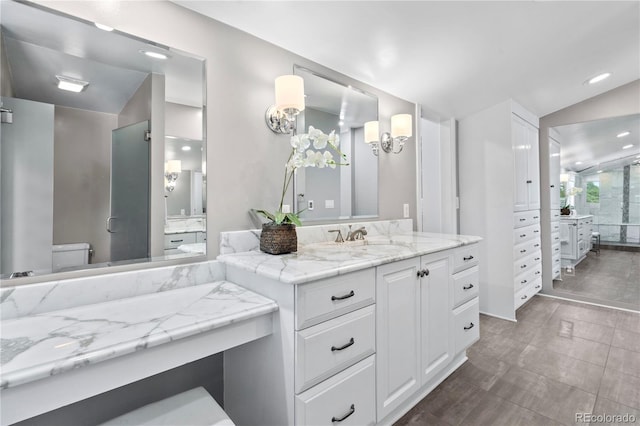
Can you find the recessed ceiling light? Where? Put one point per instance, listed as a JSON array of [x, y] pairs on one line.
[[599, 171], [627, 146], [71, 84], [578, 163], [341, 123], [186, 148], [103, 27], [623, 134], [154, 55], [598, 78], [555, 154]]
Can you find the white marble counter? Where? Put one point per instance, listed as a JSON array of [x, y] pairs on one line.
[[579, 216], [326, 259], [50, 343]]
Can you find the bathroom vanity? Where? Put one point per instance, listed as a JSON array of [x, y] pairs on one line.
[[364, 330], [575, 239]]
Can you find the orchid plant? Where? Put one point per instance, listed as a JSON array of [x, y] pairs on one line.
[[302, 156]]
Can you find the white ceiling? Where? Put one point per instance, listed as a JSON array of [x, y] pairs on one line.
[[458, 57], [41, 45]]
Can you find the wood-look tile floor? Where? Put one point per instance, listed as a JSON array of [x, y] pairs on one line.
[[559, 359], [611, 278]]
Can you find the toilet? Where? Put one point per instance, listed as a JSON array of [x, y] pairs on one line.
[[69, 255]]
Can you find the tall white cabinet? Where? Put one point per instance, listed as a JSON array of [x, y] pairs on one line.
[[554, 202], [500, 201]]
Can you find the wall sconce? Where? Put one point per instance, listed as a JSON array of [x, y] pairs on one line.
[[401, 130], [289, 102], [172, 169]]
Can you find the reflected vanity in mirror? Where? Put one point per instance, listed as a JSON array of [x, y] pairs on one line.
[[343, 192], [91, 119]]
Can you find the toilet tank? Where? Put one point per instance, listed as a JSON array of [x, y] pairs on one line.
[[69, 255]]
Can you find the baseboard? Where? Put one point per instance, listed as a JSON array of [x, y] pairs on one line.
[[553, 296], [498, 316]]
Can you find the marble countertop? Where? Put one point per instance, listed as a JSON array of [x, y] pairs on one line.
[[580, 216], [323, 260], [49, 343], [183, 231]]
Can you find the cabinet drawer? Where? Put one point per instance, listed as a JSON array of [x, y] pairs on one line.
[[524, 295], [329, 347], [521, 235], [556, 271], [525, 279], [555, 237], [555, 250], [348, 398], [525, 264], [465, 285], [326, 299], [555, 226], [465, 257], [526, 218], [525, 249], [555, 215], [172, 241], [466, 321]]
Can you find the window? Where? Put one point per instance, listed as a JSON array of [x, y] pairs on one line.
[[593, 192]]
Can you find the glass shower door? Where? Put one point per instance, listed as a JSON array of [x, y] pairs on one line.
[[129, 220]]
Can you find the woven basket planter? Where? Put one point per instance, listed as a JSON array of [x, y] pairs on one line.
[[278, 239], [565, 211]]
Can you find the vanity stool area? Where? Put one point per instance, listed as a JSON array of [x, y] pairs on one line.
[[364, 330]]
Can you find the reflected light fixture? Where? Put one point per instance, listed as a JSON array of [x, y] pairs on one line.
[[401, 130], [564, 177], [627, 146], [71, 84], [289, 90], [154, 55], [623, 134], [598, 78], [103, 27], [186, 148], [172, 169]]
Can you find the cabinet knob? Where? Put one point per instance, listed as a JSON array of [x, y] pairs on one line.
[[553, 186], [340, 419], [423, 272]]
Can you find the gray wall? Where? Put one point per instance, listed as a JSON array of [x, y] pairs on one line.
[[621, 101], [240, 74], [81, 167], [365, 182], [6, 88]]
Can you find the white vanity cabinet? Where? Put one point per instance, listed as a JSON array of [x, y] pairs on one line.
[[426, 317], [173, 241], [554, 202], [500, 202], [575, 239], [355, 349]]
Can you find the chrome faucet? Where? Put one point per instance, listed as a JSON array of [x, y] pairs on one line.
[[358, 234], [339, 238]]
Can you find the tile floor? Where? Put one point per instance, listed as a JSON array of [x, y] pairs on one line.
[[559, 359], [612, 277]]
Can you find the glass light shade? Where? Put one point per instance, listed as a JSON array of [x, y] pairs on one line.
[[564, 177], [371, 132], [401, 126], [173, 166], [290, 93]]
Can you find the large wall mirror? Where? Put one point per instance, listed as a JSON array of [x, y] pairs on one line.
[[344, 192], [102, 149]]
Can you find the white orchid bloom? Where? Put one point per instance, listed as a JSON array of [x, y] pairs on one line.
[[328, 159], [321, 141], [300, 142], [314, 133], [334, 139]]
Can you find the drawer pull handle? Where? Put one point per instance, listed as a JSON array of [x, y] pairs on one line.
[[469, 287], [535, 217], [538, 286], [523, 251], [345, 346], [537, 272], [522, 219], [524, 297], [529, 181], [351, 411], [467, 258], [470, 326], [537, 258], [346, 296], [536, 231], [523, 282], [523, 235], [177, 241], [536, 245], [523, 266]]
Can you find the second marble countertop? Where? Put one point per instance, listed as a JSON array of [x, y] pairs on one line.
[[323, 260]]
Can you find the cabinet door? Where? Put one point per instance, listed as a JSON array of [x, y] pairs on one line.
[[554, 174], [436, 293], [397, 334], [519, 141], [533, 168]]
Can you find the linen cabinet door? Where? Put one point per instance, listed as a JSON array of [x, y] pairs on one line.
[[533, 168], [397, 334], [519, 144], [436, 294]]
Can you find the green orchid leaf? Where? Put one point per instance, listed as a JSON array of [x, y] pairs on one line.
[[267, 215], [293, 218], [279, 217]]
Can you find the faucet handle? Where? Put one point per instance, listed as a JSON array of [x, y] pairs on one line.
[[339, 238]]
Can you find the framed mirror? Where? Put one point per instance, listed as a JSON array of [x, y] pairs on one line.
[[92, 120], [344, 192]]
